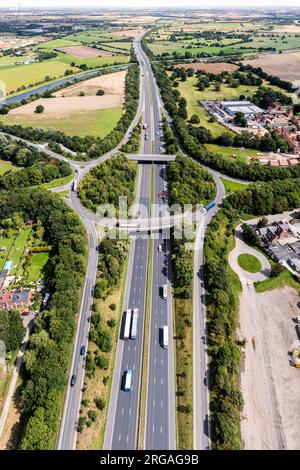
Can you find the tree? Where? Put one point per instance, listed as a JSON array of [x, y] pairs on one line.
[[263, 222], [39, 109], [276, 269], [240, 120], [194, 119], [12, 330], [100, 92], [250, 235]]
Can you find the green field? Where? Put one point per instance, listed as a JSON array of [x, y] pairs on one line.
[[18, 249], [28, 75], [285, 278], [192, 95], [8, 61], [65, 42], [280, 43], [232, 186], [6, 166], [249, 263], [58, 182], [243, 155], [95, 123], [93, 62], [37, 266], [7, 242]]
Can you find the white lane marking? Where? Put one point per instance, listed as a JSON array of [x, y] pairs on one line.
[[161, 361], [161, 381], [160, 429], [119, 437], [154, 380], [129, 411], [133, 367], [153, 428], [122, 411], [156, 326], [155, 360], [161, 404], [154, 403], [135, 348], [127, 437]]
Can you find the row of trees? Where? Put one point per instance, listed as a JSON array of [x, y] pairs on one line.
[[46, 361], [88, 147], [107, 182], [37, 167], [222, 303], [134, 141]]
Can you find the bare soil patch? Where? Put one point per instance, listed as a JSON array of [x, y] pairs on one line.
[[69, 104], [13, 42], [84, 52], [127, 32], [270, 384], [218, 67], [112, 84], [285, 66]]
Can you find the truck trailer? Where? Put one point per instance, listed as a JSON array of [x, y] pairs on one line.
[[127, 325], [135, 317]]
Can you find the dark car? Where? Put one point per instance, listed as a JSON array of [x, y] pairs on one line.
[[73, 380], [82, 350]]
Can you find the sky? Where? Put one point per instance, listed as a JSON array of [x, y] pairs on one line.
[[150, 3]]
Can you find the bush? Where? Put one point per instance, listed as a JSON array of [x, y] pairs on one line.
[[112, 323], [39, 109], [100, 403], [102, 361], [92, 415]]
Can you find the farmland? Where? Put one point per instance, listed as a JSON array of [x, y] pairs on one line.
[[285, 66], [216, 67], [201, 39], [68, 109], [97, 123], [28, 75]]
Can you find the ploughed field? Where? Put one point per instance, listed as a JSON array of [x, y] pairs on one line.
[[77, 110]]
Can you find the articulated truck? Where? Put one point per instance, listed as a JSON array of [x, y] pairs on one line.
[[127, 325], [135, 317]]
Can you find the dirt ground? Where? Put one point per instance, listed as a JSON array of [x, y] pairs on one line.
[[84, 52], [112, 84], [269, 383], [127, 32], [218, 67], [285, 66], [12, 42], [285, 28], [65, 105]]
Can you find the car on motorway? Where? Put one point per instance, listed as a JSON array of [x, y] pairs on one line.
[[298, 319], [146, 136], [128, 380], [82, 350], [73, 380], [160, 248]]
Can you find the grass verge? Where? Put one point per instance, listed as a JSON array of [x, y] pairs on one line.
[[249, 263], [143, 399]]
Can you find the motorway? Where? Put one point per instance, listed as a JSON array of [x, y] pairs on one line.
[[122, 422]]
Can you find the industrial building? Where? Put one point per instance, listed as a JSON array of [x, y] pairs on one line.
[[246, 107]]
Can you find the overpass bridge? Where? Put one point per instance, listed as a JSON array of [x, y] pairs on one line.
[[151, 158]]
